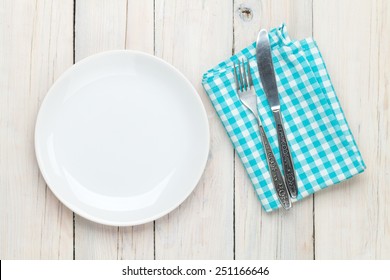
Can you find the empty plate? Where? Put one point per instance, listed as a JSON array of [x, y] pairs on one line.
[[122, 138]]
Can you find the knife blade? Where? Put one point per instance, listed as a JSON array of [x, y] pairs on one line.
[[268, 81]]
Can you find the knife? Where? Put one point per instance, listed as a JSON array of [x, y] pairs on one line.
[[268, 80]]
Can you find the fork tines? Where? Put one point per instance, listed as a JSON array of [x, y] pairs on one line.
[[244, 77]]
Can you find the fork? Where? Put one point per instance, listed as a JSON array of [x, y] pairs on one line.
[[248, 97]]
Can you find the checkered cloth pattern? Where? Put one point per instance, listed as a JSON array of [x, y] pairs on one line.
[[322, 145]]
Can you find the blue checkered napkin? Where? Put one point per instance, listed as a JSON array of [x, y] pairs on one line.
[[322, 146]]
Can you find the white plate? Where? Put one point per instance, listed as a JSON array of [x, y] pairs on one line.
[[122, 138]]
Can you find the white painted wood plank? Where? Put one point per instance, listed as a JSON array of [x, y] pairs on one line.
[[280, 234], [352, 219], [194, 36], [100, 26], [35, 48], [379, 83], [140, 25]]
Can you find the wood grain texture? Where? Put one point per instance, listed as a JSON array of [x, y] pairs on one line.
[[140, 25], [100, 26], [35, 48], [352, 219], [194, 36], [280, 234]]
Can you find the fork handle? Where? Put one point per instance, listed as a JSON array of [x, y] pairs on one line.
[[276, 175], [287, 163]]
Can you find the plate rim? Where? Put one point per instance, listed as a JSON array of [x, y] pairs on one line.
[[86, 214]]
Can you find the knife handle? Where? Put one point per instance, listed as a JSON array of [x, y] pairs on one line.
[[287, 163], [276, 175]]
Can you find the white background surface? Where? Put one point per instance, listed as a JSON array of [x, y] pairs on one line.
[[222, 219], [191, 269]]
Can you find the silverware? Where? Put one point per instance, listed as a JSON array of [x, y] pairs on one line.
[[248, 97], [268, 80]]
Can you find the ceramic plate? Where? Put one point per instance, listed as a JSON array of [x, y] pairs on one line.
[[122, 138]]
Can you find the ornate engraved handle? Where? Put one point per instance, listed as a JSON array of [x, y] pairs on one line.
[[288, 166], [276, 175]]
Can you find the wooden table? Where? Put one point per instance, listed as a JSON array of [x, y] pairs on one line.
[[222, 219]]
